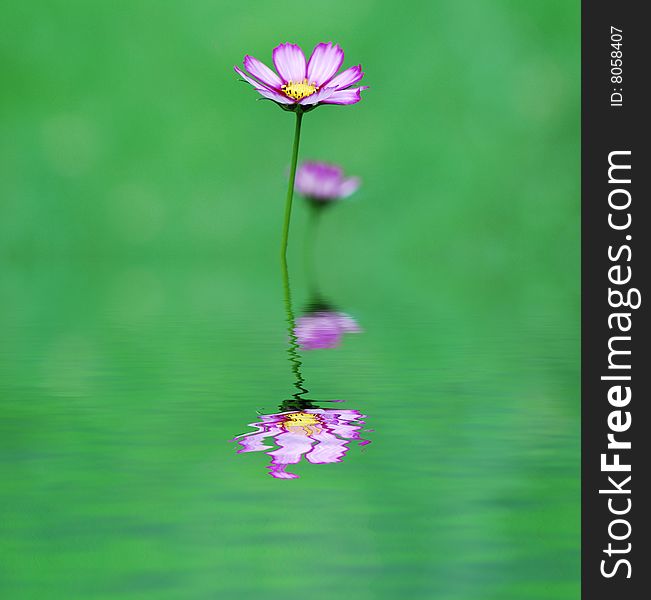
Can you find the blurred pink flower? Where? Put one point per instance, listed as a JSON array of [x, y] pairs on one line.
[[319, 435], [323, 329], [322, 182]]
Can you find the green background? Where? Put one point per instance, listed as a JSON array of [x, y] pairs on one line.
[[142, 190]]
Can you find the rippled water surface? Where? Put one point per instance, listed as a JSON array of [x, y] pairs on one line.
[[123, 385]]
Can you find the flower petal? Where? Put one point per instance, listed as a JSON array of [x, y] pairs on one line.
[[325, 61], [291, 447], [263, 91], [346, 188], [246, 78], [290, 62], [275, 96], [318, 179], [349, 96], [347, 414], [345, 322], [329, 449], [350, 432], [347, 78], [278, 471], [254, 443], [319, 96], [262, 72]]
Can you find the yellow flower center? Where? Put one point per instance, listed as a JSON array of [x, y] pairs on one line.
[[302, 422], [299, 90]]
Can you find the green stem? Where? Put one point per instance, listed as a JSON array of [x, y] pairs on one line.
[[290, 189]]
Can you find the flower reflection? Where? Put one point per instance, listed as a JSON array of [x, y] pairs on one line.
[[319, 435], [301, 429], [323, 329]]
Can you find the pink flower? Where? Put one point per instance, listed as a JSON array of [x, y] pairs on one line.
[[323, 329], [322, 182], [305, 84], [319, 435]]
